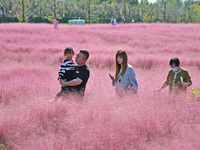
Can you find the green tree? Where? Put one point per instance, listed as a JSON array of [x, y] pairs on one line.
[[162, 4], [37, 7], [54, 9], [173, 13], [196, 13], [22, 17], [2, 9], [146, 18], [7, 8], [125, 10], [144, 9], [89, 11]]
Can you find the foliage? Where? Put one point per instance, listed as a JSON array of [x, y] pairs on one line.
[[50, 18], [195, 94], [126, 10], [21, 18], [196, 12], [9, 19], [146, 18], [38, 19]]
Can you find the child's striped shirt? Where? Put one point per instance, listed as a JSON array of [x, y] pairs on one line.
[[66, 69]]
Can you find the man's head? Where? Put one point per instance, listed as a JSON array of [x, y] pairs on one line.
[[82, 57], [69, 52]]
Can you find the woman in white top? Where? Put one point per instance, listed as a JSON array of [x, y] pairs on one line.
[[125, 80]]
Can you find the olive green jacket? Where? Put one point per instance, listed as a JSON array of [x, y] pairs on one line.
[[175, 78]]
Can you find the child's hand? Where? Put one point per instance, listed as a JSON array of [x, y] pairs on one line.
[[62, 83]]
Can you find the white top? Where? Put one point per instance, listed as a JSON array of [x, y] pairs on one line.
[[129, 78], [114, 21]]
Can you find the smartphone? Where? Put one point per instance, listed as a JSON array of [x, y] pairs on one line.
[[110, 75]]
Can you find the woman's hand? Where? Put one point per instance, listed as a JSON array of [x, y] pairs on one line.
[[111, 77], [130, 87]]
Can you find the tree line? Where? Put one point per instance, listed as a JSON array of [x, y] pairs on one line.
[[100, 11]]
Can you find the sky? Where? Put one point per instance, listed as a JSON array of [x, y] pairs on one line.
[[152, 1]]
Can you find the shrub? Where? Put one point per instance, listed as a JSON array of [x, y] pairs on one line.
[[21, 19], [195, 94], [38, 19], [9, 19]]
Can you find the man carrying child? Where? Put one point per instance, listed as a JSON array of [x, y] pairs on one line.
[[73, 76], [77, 85]]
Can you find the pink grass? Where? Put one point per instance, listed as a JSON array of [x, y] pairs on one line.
[[29, 62]]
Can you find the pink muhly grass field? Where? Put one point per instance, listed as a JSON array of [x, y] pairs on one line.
[[30, 58]]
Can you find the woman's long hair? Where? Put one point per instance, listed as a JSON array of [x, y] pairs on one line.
[[122, 54]]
